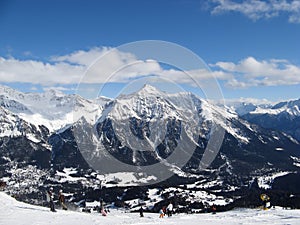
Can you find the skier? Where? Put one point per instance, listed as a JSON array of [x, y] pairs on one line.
[[141, 211], [2, 185], [213, 209], [170, 209], [265, 201], [101, 204], [103, 212], [50, 198], [61, 198], [161, 213]]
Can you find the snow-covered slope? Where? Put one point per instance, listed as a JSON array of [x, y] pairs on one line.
[[245, 105], [145, 127], [290, 107], [12, 125], [256, 106], [52, 109], [13, 212], [9, 123], [153, 106], [284, 116]]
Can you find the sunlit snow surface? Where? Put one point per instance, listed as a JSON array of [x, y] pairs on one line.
[[13, 212]]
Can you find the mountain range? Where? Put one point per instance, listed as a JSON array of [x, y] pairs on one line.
[[177, 146]]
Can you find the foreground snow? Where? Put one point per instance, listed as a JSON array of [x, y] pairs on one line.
[[13, 212]]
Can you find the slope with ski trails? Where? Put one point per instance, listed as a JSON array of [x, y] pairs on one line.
[[13, 212]]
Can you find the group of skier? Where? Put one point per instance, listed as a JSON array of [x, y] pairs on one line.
[[162, 212], [166, 211], [61, 199]]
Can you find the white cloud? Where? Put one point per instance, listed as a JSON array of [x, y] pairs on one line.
[[82, 57], [116, 66], [258, 9], [37, 72], [152, 68], [68, 69], [252, 72], [113, 66]]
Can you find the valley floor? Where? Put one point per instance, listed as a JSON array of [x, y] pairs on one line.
[[13, 212]]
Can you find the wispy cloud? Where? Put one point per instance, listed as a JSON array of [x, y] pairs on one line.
[[59, 88], [259, 9], [252, 72], [82, 57]]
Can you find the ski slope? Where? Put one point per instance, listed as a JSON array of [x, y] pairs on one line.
[[13, 212]]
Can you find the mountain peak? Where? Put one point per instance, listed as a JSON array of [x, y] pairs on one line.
[[148, 89]]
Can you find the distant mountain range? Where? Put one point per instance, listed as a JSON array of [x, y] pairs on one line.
[[283, 116], [166, 140]]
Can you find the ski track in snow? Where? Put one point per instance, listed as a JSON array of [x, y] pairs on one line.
[[13, 212]]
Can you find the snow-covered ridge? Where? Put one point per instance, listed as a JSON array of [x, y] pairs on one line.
[[8, 123], [291, 107], [12, 126], [152, 103], [52, 108], [255, 106], [56, 110]]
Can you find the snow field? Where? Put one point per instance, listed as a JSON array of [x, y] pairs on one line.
[[13, 212]]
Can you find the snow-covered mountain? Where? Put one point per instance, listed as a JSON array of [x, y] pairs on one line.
[[243, 106], [124, 137], [155, 121], [147, 127], [52, 108], [283, 116], [27, 120]]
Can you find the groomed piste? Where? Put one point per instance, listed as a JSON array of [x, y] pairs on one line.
[[13, 212]]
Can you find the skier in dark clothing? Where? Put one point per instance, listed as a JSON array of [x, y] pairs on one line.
[[101, 204], [61, 198], [213, 209], [50, 198], [141, 212]]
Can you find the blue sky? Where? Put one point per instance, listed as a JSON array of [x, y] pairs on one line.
[[251, 46]]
